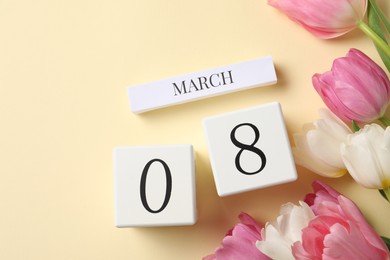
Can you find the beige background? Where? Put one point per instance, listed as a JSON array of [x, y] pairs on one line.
[[64, 69]]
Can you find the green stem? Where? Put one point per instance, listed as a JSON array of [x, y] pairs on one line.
[[380, 14], [385, 120], [375, 37]]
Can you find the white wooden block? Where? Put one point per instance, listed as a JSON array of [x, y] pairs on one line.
[[249, 149], [202, 84], [154, 186]]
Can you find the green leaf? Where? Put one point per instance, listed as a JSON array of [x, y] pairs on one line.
[[374, 23], [380, 14], [382, 192], [387, 241], [355, 126]]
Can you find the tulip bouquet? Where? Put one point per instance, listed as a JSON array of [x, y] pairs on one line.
[[326, 225], [352, 136], [356, 90]]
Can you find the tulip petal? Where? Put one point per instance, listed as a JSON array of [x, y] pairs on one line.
[[383, 153], [240, 241], [313, 235], [274, 250], [235, 248], [355, 88], [342, 243], [245, 232], [304, 157], [332, 125], [369, 63], [298, 219], [330, 97], [325, 192], [325, 19], [300, 253], [281, 234], [318, 148], [339, 230], [367, 157], [324, 147], [353, 214], [352, 77], [250, 223]]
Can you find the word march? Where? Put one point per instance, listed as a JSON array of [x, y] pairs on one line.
[[201, 83]]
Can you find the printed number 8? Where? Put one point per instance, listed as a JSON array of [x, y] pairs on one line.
[[250, 147]]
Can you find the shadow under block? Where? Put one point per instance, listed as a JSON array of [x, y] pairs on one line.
[[154, 186], [202, 84], [249, 149]]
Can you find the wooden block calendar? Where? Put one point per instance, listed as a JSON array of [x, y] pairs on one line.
[[154, 186], [202, 84], [249, 149]]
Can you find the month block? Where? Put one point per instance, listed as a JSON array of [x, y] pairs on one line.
[[249, 149], [202, 84], [154, 186]]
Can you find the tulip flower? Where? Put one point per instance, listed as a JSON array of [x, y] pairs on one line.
[[281, 234], [355, 89], [240, 242], [366, 155], [331, 18], [324, 19], [318, 148], [339, 230]]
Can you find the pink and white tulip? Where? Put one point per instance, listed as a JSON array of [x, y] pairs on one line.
[[339, 230], [281, 234], [326, 225]]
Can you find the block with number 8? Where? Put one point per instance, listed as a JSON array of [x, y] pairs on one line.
[[154, 186], [249, 149]]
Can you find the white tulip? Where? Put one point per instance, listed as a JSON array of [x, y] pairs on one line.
[[366, 155], [279, 235], [318, 148]]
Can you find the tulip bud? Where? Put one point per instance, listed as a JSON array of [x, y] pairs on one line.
[[355, 89], [339, 230], [281, 234], [366, 155], [324, 19], [318, 148]]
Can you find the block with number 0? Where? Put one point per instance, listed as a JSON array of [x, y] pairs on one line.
[[154, 186], [249, 149]]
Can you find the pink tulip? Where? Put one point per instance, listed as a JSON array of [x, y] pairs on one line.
[[240, 242], [339, 230], [324, 19], [356, 88]]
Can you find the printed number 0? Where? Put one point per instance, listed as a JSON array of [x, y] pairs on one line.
[[143, 184], [250, 147]]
